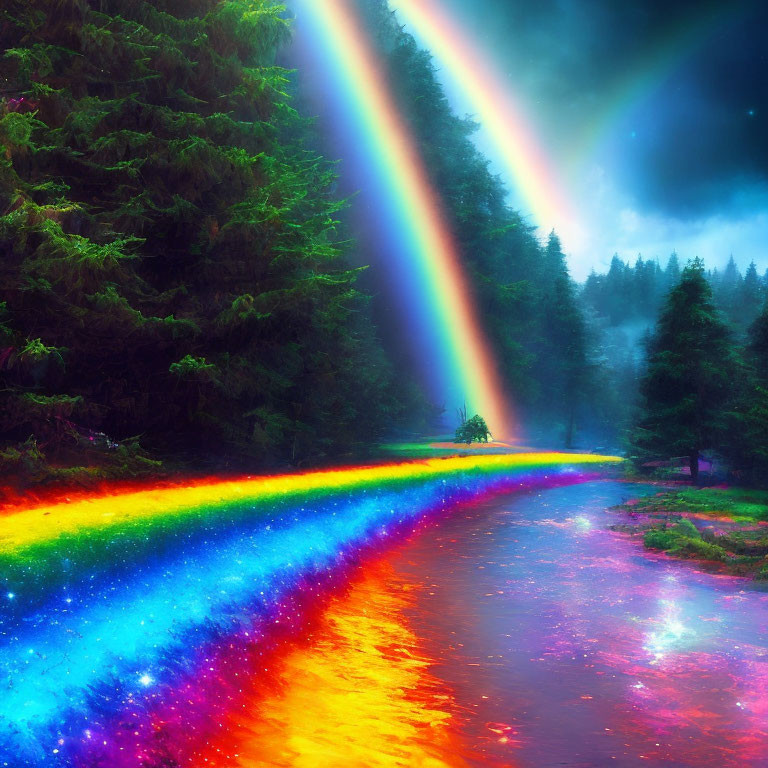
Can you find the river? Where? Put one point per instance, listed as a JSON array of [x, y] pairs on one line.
[[518, 631]]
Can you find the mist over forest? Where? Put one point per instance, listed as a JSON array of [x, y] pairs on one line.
[[622, 307]]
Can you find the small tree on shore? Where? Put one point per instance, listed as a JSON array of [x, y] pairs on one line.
[[690, 376], [473, 430]]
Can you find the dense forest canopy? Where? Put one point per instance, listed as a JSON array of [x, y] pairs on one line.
[[173, 279], [171, 275]]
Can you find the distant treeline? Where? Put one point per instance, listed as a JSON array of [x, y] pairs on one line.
[[687, 350], [704, 387], [631, 293]]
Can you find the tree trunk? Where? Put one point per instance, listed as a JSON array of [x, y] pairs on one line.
[[569, 431], [693, 460]]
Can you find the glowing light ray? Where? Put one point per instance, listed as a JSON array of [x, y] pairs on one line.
[[502, 118], [425, 234]]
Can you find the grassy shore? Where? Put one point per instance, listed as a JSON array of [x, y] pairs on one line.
[[728, 526]]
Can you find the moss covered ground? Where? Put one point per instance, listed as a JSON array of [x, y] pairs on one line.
[[721, 525]]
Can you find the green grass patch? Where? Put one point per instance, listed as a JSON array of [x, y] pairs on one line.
[[683, 539], [739, 504], [415, 450], [743, 548]]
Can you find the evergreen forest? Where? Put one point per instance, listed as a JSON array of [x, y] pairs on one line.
[[174, 284], [180, 286]]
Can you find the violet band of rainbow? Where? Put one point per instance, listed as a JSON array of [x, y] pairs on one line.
[[194, 565]]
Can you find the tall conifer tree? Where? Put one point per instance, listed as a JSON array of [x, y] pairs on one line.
[[690, 376], [746, 445]]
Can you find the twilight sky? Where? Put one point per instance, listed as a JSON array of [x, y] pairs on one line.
[[655, 115]]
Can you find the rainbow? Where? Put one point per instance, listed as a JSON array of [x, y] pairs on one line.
[[130, 607], [634, 85], [501, 117], [540, 187], [429, 267]]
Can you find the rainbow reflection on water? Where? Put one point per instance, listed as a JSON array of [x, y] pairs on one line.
[[136, 618], [357, 692]]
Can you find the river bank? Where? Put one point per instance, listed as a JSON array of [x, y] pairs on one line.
[[724, 527]]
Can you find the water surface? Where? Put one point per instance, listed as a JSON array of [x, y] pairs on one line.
[[520, 631]]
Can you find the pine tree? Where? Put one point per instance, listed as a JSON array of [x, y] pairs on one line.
[[646, 289], [750, 299], [565, 369], [672, 272], [727, 290], [747, 445], [617, 303], [758, 345], [690, 375]]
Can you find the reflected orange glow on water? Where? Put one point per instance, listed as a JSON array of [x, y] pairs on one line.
[[359, 693]]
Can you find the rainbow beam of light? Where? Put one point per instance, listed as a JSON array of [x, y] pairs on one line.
[[503, 119], [112, 604], [463, 369]]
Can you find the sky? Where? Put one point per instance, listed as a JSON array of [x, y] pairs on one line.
[[654, 115]]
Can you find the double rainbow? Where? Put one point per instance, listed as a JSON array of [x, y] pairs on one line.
[[500, 115], [541, 188]]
